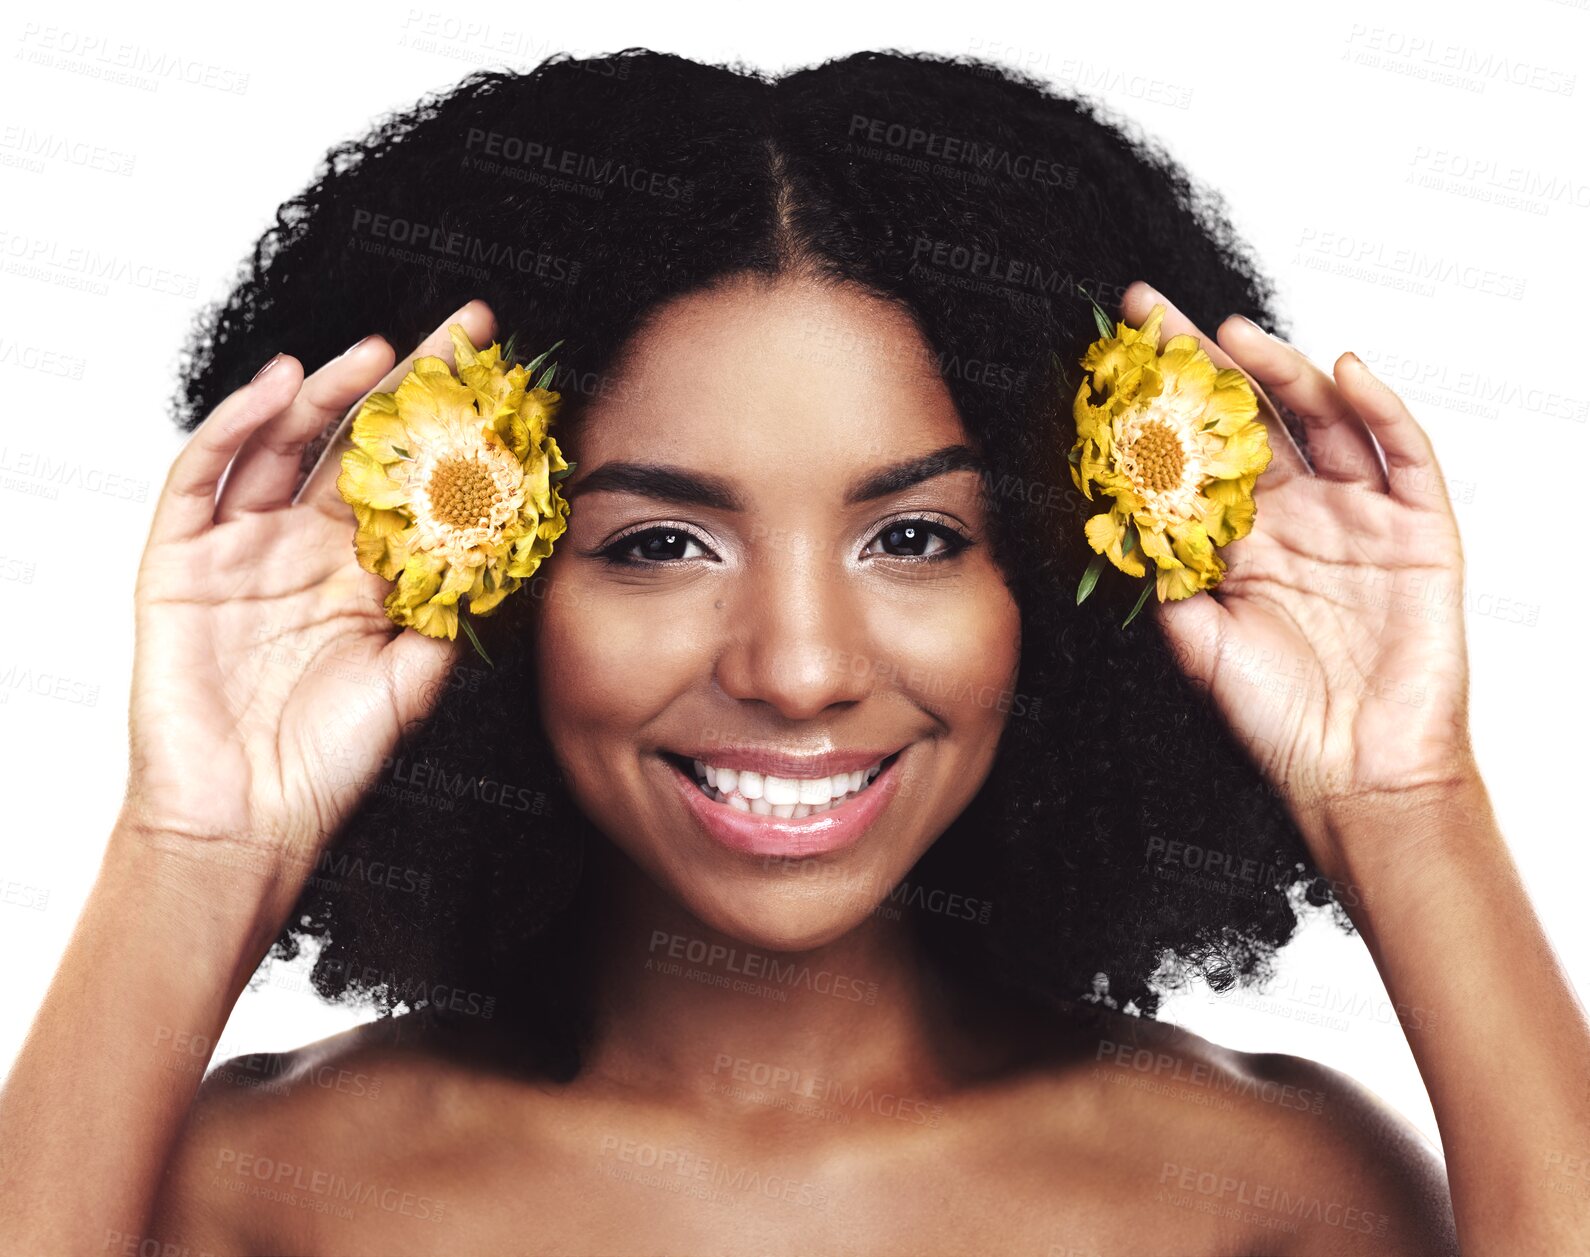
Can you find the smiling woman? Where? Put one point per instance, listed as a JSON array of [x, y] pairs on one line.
[[773, 290], [790, 879]]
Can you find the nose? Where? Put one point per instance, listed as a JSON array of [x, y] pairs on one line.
[[796, 637]]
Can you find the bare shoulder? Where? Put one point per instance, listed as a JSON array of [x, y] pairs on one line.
[[279, 1146], [1259, 1149]]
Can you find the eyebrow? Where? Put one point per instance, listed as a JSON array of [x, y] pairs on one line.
[[687, 487]]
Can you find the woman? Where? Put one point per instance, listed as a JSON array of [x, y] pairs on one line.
[[817, 345]]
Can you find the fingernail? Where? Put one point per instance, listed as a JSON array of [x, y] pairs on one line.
[[266, 367], [361, 341], [1245, 319]]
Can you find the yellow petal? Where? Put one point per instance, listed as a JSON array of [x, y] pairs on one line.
[[429, 396], [1106, 533], [378, 431], [1231, 510], [1192, 546], [381, 541], [484, 600], [1172, 584], [1231, 404], [418, 582], [1246, 452], [1154, 544], [435, 619], [365, 482]]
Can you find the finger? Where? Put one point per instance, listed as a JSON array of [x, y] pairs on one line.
[[1287, 460], [1194, 629], [1340, 446], [187, 500], [264, 473], [417, 670], [478, 322], [1413, 474]]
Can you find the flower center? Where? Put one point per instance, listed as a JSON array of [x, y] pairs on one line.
[[461, 491], [1157, 457]]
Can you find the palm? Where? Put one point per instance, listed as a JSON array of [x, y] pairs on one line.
[[270, 663], [268, 682], [1340, 649], [1334, 645]]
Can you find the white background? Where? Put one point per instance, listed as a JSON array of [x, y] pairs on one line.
[[1415, 180]]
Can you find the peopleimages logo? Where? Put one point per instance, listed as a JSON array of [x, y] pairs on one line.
[[759, 967]]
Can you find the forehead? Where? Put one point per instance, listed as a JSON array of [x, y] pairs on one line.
[[756, 368]]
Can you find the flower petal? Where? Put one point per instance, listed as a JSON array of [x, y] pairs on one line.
[[365, 482]]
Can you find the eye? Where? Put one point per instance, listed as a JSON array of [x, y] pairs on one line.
[[661, 543], [919, 539]]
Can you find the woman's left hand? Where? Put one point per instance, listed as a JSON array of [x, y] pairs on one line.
[[1334, 644]]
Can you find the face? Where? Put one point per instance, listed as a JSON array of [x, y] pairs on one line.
[[775, 654]]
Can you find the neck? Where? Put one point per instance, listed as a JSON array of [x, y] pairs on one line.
[[690, 1012]]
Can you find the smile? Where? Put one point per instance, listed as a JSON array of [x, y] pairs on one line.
[[787, 797], [764, 803]]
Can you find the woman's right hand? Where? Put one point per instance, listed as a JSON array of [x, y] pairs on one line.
[[268, 684]]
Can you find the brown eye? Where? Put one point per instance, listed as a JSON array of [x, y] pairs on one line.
[[919, 539], [662, 544]]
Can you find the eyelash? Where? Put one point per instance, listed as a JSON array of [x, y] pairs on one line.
[[616, 552]]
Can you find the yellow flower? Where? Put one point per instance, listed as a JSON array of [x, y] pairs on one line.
[[451, 481], [1176, 444]]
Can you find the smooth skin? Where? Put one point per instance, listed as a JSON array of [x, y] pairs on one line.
[[268, 686]]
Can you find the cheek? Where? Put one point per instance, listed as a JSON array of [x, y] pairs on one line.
[[609, 658], [958, 655]]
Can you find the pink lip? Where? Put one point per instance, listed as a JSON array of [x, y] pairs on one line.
[[833, 830]]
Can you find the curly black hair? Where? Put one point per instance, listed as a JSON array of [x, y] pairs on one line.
[[1122, 828]]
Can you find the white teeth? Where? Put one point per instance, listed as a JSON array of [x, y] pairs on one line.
[[780, 790], [763, 794], [815, 790]]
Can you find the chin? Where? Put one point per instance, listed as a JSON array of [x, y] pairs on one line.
[[794, 916]]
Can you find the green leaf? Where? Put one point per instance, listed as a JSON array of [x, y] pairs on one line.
[[507, 347], [1090, 578], [1100, 318], [469, 632], [564, 474], [401, 452], [530, 367], [1131, 540], [546, 376], [1148, 588]]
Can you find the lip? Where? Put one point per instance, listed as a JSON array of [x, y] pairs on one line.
[[755, 759], [834, 830]]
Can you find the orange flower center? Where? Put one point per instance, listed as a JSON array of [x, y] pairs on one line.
[[1157, 457], [461, 492]]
